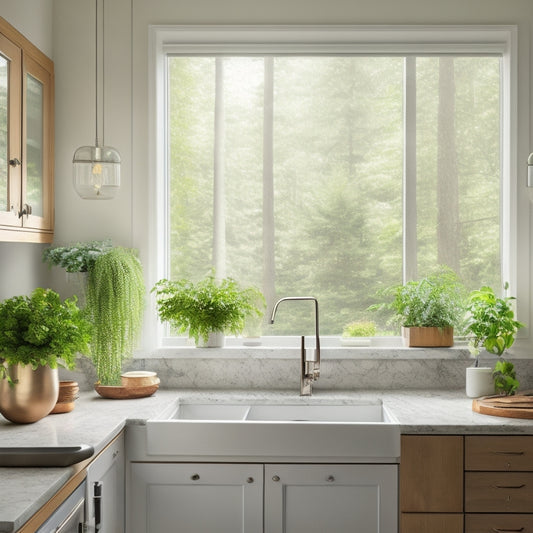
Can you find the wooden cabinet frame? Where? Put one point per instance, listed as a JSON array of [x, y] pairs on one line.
[[17, 224]]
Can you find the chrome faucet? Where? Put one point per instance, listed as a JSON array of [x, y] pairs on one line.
[[309, 368]]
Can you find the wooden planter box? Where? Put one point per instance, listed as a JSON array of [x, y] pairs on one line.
[[427, 337]]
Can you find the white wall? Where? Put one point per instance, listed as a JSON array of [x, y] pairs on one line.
[[21, 269]]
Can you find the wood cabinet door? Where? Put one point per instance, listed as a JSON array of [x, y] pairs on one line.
[[431, 474], [502, 523], [331, 498], [195, 498], [431, 523]]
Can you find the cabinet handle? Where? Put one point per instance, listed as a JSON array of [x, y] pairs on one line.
[[507, 453], [195, 477], [499, 530], [510, 486], [330, 479], [97, 498], [26, 210], [275, 478], [15, 162]]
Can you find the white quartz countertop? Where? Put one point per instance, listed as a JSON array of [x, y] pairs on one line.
[[96, 421]]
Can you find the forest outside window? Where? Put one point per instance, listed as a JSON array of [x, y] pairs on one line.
[[333, 175]]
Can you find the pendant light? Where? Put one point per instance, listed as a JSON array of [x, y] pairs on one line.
[[96, 172]]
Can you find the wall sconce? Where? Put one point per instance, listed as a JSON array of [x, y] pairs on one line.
[[530, 170], [96, 169]]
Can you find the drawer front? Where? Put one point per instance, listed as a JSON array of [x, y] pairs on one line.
[[498, 523], [499, 492], [506, 454]]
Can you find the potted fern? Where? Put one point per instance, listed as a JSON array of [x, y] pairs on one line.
[[429, 308], [114, 302], [207, 309], [37, 333], [491, 325]]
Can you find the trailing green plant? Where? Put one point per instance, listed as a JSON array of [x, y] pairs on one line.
[[490, 322], [114, 305], [78, 257], [207, 306], [359, 328], [40, 330], [504, 376], [434, 301]]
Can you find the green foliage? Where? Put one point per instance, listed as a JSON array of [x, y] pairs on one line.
[[434, 301], [490, 322], [41, 330], [77, 257], [206, 306], [359, 328], [504, 376], [115, 304]]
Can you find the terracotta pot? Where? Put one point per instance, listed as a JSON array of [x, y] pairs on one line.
[[33, 396]]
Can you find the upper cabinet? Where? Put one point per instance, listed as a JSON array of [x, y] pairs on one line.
[[26, 140]]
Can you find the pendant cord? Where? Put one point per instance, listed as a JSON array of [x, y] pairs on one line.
[[96, 71]]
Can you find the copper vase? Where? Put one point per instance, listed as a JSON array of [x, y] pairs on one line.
[[32, 397]]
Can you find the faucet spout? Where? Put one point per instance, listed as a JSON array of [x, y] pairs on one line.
[[309, 368]]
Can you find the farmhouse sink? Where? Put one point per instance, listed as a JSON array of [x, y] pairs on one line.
[[354, 432]]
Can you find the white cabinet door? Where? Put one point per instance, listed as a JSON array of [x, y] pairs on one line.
[[195, 498], [331, 498], [105, 490]]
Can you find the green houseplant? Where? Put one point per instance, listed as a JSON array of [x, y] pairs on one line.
[[429, 308], [206, 307], [491, 325], [114, 300], [114, 305], [37, 333]]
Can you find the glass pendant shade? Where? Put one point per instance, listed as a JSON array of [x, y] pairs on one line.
[[96, 172]]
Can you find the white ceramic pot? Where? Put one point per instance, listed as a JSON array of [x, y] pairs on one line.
[[216, 339], [479, 381]]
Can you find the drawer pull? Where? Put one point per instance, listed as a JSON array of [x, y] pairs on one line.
[[510, 486], [508, 453], [498, 530]]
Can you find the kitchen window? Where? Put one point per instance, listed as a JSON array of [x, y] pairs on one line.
[[335, 168]]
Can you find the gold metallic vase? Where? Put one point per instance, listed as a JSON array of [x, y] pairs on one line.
[[32, 397]]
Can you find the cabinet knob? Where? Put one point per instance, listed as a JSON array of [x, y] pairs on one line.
[[275, 478], [330, 479], [195, 477], [250, 480], [15, 162]]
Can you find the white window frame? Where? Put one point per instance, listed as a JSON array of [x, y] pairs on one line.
[[394, 40]]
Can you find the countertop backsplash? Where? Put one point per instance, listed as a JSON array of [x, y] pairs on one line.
[[355, 369]]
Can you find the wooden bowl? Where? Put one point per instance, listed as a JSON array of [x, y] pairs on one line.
[[139, 378], [125, 393], [68, 394]]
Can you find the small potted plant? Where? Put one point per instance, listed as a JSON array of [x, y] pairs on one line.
[[37, 333], [429, 308], [206, 308], [358, 333], [491, 326]]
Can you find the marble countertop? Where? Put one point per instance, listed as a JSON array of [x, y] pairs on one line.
[[96, 421]]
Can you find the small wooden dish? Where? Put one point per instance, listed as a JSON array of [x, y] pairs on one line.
[[68, 394], [125, 393], [139, 378]]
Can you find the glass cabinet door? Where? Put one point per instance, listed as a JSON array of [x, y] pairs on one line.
[[36, 135], [10, 132]]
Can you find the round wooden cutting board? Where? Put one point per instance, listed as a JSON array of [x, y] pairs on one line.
[[507, 406]]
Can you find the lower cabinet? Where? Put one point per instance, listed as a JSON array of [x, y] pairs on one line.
[[196, 498], [331, 498], [105, 500], [250, 498]]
